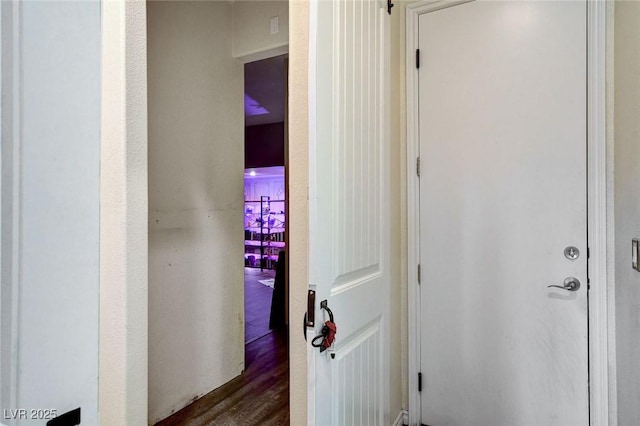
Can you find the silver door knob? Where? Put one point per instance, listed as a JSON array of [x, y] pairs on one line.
[[571, 284]]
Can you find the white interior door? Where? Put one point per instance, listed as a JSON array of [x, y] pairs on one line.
[[49, 215], [349, 213], [502, 194]]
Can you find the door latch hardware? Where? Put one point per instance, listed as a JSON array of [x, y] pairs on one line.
[[570, 284], [311, 309], [309, 319], [571, 253]]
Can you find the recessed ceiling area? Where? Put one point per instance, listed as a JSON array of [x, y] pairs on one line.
[[264, 85], [264, 172]]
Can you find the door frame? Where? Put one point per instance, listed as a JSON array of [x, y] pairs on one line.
[[123, 374], [601, 309], [10, 191]]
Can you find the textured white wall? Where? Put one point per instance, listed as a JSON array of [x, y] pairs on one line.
[[123, 215], [627, 206], [252, 38], [196, 201], [298, 161]]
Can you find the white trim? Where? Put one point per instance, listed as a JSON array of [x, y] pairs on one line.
[[400, 418], [264, 54], [413, 228], [600, 336], [11, 224], [124, 222], [312, 196], [597, 213], [611, 302]]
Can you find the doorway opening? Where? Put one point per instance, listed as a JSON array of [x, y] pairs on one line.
[[200, 370], [265, 201], [261, 392], [264, 240], [265, 226]]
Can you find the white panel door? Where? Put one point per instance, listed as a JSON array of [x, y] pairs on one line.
[[349, 212], [502, 194]]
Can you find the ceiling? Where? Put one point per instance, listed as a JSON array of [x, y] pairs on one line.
[[264, 172], [264, 86]]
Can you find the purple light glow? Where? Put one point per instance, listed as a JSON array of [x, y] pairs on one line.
[[253, 107]]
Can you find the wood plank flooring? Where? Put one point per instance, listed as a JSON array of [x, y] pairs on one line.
[[257, 303], [260, 396]]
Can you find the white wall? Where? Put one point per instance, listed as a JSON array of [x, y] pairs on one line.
[[627, 206], [50, 206], [252, 38], [196, 171], [271, 186], [298, 162], [123, 215]]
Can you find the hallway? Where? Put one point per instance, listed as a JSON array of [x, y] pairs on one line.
[[462, 206]]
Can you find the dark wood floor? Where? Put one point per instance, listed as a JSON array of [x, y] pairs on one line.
[[257, 303], [260, 396]]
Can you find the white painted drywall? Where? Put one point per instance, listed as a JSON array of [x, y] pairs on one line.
[[298, 162], [123, 215], [196, 201], [252, 38], [627, 206], [51, 187]]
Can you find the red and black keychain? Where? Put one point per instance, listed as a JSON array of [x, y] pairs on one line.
[[328, 333]]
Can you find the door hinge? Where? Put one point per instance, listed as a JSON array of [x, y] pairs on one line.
[[419, 382], [417, 58], [389, 6], [419, 274], [418, 166], [588, 253]]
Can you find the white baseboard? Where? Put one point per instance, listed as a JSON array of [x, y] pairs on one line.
[[402, 419]]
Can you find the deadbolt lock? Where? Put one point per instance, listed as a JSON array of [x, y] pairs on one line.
[[571, 253]]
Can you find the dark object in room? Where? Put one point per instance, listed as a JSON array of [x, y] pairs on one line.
[[264, 145], [277, 318]]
